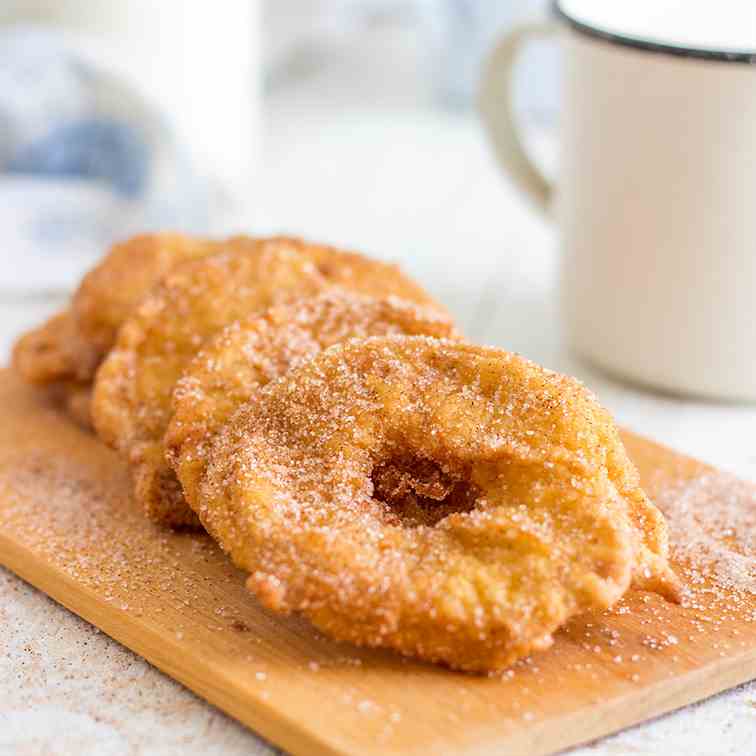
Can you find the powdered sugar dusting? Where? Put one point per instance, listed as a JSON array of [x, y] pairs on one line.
[[712, 527]]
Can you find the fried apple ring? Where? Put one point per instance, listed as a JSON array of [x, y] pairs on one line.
[[63, 354], [248, 354], [109, 293], [132, 397], [71, 345], [54, 352], [132, 400], [453, 502]]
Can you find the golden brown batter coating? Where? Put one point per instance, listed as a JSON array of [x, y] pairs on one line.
[[132, 398], [71, 345], [109, 293], [250, 353], [327, 488], [355, 272], [132, 402], [54, 352]]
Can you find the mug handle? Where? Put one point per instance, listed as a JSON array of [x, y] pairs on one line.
[[496, 111]]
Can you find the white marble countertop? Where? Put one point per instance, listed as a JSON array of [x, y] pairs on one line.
[[400, 181]]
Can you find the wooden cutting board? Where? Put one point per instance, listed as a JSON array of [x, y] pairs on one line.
[[68, 527]]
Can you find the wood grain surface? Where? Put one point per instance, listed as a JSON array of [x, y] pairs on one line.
[[68, 527]]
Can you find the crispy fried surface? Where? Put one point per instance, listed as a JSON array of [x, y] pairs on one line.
[[324, 489], [250, 353], [71, 345], [355, 272], [54, 352], [132, 397], [111, 290], [132, 402]]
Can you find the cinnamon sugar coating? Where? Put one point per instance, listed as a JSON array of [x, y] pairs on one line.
[[132, 399], [250, 353], [132, 396], [54, 352], [71, 345], [453, 502], [109, 293], [356, 272]]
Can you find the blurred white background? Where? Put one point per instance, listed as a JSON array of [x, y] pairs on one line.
[[112, 122], [443, 41]]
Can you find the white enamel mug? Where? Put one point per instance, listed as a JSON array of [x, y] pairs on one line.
[[656, 196]]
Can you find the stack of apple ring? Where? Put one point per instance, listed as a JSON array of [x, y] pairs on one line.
[[319, 415]]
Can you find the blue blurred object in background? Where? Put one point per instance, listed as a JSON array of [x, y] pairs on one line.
[[52, 121], [100, 149], [84, 159]]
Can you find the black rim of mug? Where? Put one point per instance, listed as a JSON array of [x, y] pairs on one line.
[[639, 43]]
